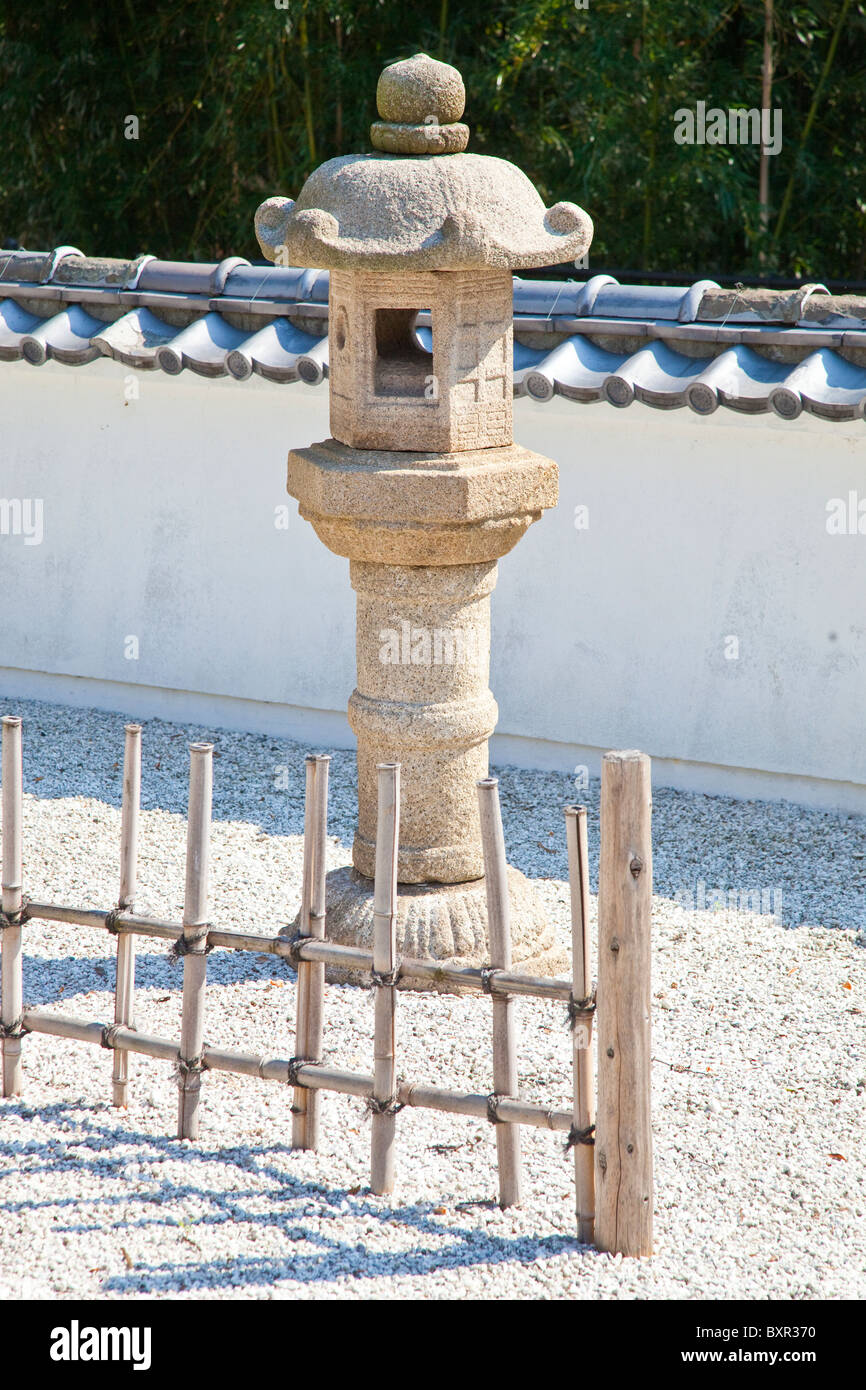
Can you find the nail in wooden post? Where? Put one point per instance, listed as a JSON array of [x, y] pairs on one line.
[[124, 992], [623, 1136], [584, 1106], [311, 976], [504, 1039], [195, 910], [11, 989], [384, 961]]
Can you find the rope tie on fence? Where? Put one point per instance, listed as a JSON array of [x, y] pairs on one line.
[[493, 1108], [380, 979], [384, 1107], [110, 1032], [13, 1030], [294, 1065], [15, 919], [111, 920], [581, 1010], [188, 1074], [183, 947], [293, 949], [579, 1136], [487, 974]]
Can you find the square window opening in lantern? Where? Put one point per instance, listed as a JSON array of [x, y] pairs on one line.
[[403, 364]]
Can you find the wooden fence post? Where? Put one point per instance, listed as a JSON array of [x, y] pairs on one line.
[[384, 1102], [623, 1138], [124, 991], [505, 1081], [11, 989], [584, 1106], [194, 939], [311, 975]]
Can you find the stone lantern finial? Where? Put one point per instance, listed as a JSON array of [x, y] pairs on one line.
[[421, 485], [420, 102], [420, 202]]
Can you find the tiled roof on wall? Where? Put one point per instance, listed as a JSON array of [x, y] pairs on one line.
[[595, 340]]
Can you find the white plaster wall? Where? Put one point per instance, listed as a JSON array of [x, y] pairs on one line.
[[159, 524]]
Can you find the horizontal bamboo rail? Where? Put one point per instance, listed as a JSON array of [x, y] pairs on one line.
[[328, 952], [314, 1076]]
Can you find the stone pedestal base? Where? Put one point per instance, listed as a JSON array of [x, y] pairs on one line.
[[442, 922]]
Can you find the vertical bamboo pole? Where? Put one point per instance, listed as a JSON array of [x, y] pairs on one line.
[[311, 976], [124, 992], [195, 907], [504, 1038], [583, 1113], [11, 989], [623, 1138], [384, 960]]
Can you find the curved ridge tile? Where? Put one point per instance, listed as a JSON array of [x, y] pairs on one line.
[[691, 300], [313, 364], [656, 375], [15, 324], [134, 339], [577, 368], [525, 360], [755, 380], [824, 384], [202, 347], [273, 352], [423, 337], [66, 336], [704, 394]]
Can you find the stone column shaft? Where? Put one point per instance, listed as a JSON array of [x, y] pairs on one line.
[[423, 655]]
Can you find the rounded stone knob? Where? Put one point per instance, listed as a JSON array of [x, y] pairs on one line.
[[420, 89]]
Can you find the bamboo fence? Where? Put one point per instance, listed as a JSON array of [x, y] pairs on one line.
[[612, 1149]]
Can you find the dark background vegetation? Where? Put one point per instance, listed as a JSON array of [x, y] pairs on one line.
[[240, 99]]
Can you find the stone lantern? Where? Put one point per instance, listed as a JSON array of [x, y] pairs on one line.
[[421, 486]]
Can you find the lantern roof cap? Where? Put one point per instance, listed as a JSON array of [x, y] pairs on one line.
[[420, 202]]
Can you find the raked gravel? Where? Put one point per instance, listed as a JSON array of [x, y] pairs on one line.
[[758, 1063]]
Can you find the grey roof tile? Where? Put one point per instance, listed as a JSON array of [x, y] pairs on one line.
[[275, 352], [202, 346], [15, 324], [134, 338], [572, 332], [67, 337]]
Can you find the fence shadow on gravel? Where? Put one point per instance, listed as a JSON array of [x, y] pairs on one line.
[[154, 969], [329, 1256]]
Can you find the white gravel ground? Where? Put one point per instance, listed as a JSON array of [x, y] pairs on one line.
[[758, 1061]]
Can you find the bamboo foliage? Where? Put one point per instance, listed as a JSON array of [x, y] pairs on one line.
[[297, 85]]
